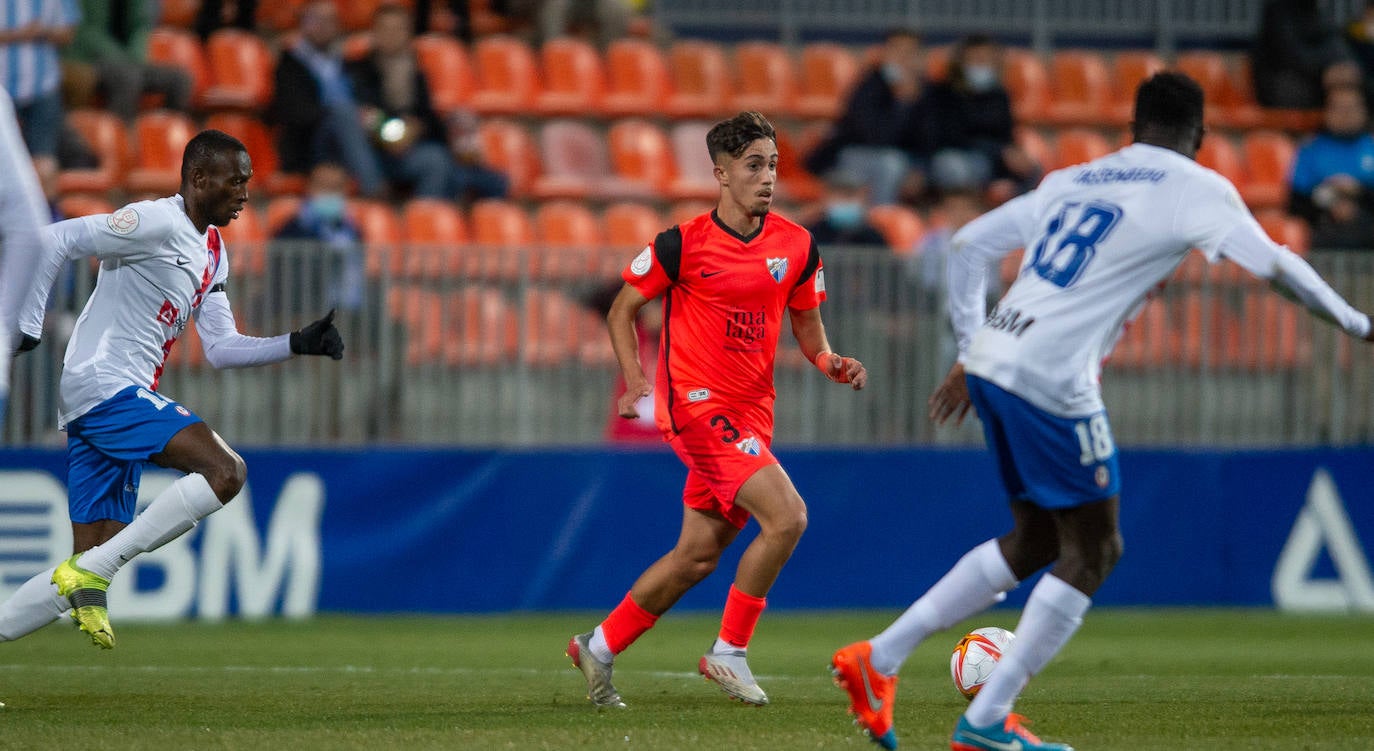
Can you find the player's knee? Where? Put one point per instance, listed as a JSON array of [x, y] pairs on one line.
[[227, 476], [789, 525]]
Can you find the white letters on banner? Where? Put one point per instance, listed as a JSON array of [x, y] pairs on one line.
[[1323, 522], [233, 566]]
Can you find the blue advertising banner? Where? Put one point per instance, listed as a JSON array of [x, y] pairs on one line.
[[412, 530]]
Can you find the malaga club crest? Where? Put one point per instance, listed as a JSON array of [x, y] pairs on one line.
[[777, 268]]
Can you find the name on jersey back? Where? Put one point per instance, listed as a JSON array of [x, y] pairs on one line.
[[1100, 175]]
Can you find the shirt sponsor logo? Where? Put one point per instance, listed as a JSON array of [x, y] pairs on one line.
[[777, 268], [123, 222], [748, 327], [642, 262], [698, 395]]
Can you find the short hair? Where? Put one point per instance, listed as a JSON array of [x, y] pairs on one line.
[[733, 136], [204, 147], [1168, 101]]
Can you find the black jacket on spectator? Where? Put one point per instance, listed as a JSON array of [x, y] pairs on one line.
[[973, 120], [1294, 45], [872, 116], [366, 78], [296, 111]]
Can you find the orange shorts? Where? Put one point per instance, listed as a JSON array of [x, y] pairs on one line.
[[721, 451]]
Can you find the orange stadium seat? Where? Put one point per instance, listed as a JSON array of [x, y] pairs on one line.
[[569, 238], [160, 137], [279, 212], [1209, 69], [764, 81], [507, 76], [447, 69], [83, 204], [356, 15], [701, 80], [937, 62], [551, 332], [640, 154], [508, 147], [261, 148], [828, 71], [503, 235], [104, 132], [900, 226], [1268, 157], [1034, 143], [1129, 68], [179, 48], [695, 176], [577, 164], [636, 79], [574, 82], [246, 238], [240, 67], [487, 328], [1236, 106], [178, 13], [434, 232], [794, 182], [628, 228], [1219, 153], [422, 312], [377, 221], [1078, 145], [280, 15], [681, 211], [1286, 230], [1146, 340], [1027, 82], [1080, 88]]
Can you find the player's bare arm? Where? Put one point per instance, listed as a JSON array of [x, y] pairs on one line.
[[809, 330], [620, 321], [951, 398]]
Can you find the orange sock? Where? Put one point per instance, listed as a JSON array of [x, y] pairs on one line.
[[625, 624], [742, 613]]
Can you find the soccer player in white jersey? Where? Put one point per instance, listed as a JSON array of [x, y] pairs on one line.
[[23, 213], [1098, 237], [161, 262]]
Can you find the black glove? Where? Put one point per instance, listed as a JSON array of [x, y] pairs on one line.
[[319, 338], [26, 343]]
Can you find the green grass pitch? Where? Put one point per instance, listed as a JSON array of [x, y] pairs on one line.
[[1131, 679]]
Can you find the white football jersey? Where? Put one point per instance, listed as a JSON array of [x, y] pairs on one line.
[[1098, 237], [155, 270]]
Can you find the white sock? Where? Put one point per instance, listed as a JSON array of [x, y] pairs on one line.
[[172, 512], [34, 605], [1053, 613], [980, 579], [723, 647], [600, 649]]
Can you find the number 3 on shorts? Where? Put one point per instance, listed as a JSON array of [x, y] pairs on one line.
[[1094, 439], [728, 433]]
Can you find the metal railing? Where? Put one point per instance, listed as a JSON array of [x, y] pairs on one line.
[[1160, 24], [473, 346]]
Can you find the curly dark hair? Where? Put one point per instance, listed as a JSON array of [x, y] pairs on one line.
[[733, 136]]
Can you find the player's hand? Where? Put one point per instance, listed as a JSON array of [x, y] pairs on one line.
[[319, 338], [951, 398], [625, 406], [842, 369], [26, 343]]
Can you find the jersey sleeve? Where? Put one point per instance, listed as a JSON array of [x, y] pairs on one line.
[[135, 231], [1210, 209], [224, 346], [974, 249], [810, 289], [656, 267]]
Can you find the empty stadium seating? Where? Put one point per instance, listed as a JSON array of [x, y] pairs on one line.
[[507, 76], [240, 68], [447, 69], [160, 137], [574, 80], [637, 80]]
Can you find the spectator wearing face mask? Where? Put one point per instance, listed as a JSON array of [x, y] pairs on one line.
[[323, 265], [844, 215], [974, 145], [1332, 185]]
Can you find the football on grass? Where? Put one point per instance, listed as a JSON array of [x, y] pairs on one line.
[[975, 656]]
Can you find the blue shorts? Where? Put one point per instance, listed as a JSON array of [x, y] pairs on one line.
[[106, 449], [1051, 461]]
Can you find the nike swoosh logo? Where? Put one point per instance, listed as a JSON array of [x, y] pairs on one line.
[[182, 261], [1015, 745], [873, 700], [705, 275]]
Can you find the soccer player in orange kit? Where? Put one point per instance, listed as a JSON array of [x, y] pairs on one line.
[[726, 278]]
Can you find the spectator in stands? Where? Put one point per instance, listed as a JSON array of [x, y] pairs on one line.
[[408, 136], [1333, 175], [472, 178], [1297, 55], [31, 33], [1359, 37], [109, 52], [602, 21], [844, 215], [884, 136], [226, 14], [338, 255], [312, 105], [974, 144]]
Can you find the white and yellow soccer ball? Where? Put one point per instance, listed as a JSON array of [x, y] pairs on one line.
[[975, 656]]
